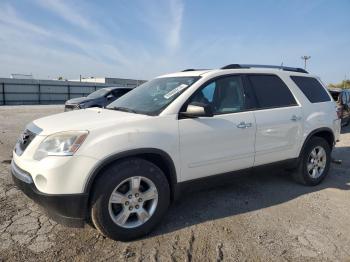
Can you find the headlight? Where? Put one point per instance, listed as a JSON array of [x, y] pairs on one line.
[[60, 144]]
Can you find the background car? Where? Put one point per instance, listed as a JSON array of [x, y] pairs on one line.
[[342, 97], [99, 98]]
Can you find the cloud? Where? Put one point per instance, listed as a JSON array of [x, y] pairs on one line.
[[165, 20], [8, 16], [68, 13], [27, 47], [14, 28], [176, 11]]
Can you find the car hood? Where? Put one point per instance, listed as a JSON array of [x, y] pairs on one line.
[[78, 100], [85, 119]]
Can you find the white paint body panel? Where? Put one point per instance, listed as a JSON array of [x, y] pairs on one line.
[[214, 145], [198, 147], [277, 136]]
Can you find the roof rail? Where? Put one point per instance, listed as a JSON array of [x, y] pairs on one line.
[[232, 66], [284, 68], [191, 69]]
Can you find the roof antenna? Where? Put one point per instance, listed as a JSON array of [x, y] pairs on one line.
[[281, 66]]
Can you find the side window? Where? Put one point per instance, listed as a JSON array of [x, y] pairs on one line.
[[225, 95], [271, 91], [119, 92], [208, 92], [311, 88]]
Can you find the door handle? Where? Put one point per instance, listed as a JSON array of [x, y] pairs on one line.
[[244, 125], [295, 118]]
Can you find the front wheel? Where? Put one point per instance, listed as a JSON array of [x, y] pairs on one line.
[[130, 198], [314, 162]]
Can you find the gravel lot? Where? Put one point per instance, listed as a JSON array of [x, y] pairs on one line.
[[264, 216]]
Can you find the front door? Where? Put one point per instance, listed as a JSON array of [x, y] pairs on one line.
[[224, 142]]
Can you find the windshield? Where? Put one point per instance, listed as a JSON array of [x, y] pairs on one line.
[[154, 96], [99, 93]]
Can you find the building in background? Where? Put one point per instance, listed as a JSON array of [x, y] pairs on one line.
[[112, 81], [21, 76]]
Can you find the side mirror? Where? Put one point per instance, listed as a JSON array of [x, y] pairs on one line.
[[195, 110]]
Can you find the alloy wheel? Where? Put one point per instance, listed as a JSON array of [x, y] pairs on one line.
[[317, 161]]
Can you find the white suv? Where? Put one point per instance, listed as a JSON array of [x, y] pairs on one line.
[[122, 166]]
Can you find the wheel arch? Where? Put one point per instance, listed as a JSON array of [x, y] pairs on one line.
[[154, 155], [324, 132]]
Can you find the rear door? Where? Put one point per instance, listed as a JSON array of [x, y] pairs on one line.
[[278, 118]]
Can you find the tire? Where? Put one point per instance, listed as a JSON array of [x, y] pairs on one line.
[[121, 175], [302, 174]]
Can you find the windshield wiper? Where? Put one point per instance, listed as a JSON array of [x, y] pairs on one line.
[[124, 109]]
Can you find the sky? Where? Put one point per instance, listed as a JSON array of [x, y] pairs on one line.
[[142, 39]]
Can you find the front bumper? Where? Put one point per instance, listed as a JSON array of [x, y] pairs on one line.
[[67, 209]]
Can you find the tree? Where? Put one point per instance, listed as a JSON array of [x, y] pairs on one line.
[[342, 84]]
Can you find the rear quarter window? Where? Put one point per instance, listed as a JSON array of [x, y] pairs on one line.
[[311, 88]]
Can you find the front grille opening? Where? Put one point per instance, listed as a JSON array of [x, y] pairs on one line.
[[24, 141]]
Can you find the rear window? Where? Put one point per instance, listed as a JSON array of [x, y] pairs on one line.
[[271, 91], [311, 88]]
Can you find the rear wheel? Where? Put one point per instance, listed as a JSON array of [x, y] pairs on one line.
[[130, 198], [314, 162]]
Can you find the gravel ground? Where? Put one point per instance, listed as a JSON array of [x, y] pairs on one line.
[[260, 217]]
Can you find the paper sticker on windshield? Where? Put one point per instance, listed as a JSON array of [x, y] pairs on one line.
[[175, 91]]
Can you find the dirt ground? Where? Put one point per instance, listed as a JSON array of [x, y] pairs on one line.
[[262, 217]]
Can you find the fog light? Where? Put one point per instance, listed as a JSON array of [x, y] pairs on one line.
[[40, 181]]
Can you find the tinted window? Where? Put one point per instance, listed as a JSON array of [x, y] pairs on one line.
[[119, 92], [225, 95], [271, 91], [311, 88], [99, 93]]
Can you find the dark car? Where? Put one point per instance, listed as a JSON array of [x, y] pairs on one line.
[[99, 98], [342, 97]]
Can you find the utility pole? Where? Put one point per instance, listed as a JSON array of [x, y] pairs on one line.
[[305, 58]]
